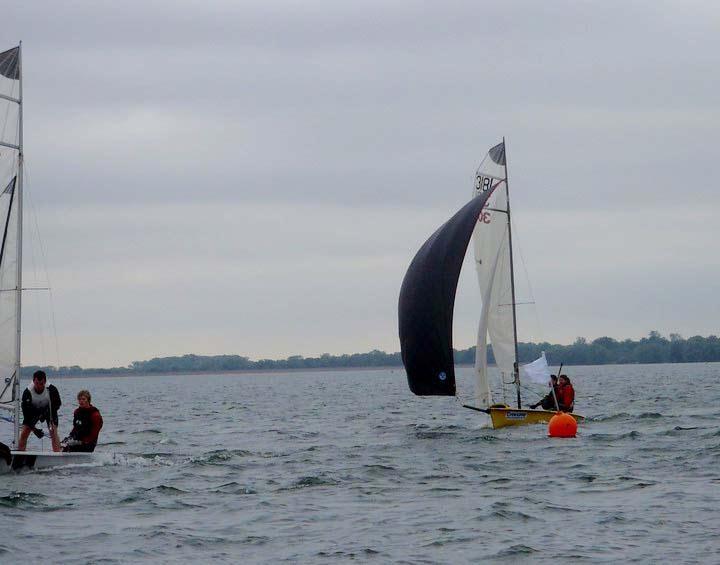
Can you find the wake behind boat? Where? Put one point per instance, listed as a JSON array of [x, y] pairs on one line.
[[427, 299]]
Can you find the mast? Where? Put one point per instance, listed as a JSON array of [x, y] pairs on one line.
[[516, 369], [18, 287]]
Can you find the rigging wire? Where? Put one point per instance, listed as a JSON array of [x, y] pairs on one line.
[[541, 333], [43, 260], [33, 261]]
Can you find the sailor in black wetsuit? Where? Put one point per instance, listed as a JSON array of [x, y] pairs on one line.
[[40, 403], [5, 453]]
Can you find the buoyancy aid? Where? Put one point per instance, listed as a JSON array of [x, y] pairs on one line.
[[566, 397], [41, 405], [86, 427], [40, 401]]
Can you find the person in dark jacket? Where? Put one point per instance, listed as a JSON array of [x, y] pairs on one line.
[[566, 394], [548, 401], [87, 423], [5, 453], [40, 403]]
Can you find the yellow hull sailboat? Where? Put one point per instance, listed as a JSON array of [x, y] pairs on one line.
[[504, 416], [427, 299]]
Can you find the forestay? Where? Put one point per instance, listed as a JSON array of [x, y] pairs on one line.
[[491, 239]]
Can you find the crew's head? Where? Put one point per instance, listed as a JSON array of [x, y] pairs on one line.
[[39, 380], [84, 398], [564, 380], [553, 378]]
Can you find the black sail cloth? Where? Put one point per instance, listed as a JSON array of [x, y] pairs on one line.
[[427, 298], [9, 67]]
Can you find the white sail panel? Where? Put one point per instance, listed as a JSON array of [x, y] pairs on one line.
[[8, 294], [537, 372], [491, 240], [9, 141]]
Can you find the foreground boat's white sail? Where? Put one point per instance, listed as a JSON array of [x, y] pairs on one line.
[[8, 296], [493, 263], [10, 232]]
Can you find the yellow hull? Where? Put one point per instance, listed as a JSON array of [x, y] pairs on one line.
[[503, 417]]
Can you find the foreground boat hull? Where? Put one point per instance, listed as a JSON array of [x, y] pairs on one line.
[[29, 460], [504, 417]]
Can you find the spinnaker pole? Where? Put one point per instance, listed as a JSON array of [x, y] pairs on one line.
[[18, 288], [516, 368]]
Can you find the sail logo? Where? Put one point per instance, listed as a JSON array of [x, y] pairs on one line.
[[442, 376]]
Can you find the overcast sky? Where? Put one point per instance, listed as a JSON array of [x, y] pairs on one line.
[[254, 178]]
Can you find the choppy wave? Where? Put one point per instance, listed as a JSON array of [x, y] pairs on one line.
[[23, 500], [316, 468]]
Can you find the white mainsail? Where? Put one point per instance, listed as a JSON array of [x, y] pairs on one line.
[[10, 227], [491, 240], [8, 295]]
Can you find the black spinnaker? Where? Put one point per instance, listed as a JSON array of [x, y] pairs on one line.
[[427, 298]]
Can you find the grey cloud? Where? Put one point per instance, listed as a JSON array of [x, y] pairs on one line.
[[224, 174]]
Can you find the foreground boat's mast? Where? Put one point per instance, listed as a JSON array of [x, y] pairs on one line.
[[18, 287], [516, 370]]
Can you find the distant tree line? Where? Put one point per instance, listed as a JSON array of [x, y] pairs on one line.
[[604, 350]]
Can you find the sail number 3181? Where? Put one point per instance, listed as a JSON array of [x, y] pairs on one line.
[[483, 184]]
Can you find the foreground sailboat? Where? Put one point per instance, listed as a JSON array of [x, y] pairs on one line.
[[427, 298], [11, 228]]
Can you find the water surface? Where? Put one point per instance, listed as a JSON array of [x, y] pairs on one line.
[[321, 467]]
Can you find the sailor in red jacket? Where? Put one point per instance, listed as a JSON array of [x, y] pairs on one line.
[[87, 423], [565, 394]]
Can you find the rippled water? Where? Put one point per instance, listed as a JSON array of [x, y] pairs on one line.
[[335, 466]]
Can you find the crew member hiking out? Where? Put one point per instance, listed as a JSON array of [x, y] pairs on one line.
[[87, 423], [566, 394], [40, 403]]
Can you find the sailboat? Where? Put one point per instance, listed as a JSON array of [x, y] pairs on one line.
[[427, 299], [11, 228]]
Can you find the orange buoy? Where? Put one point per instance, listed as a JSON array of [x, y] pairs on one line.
[[562, 425]]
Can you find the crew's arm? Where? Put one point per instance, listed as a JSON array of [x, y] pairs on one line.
[[55, 401], [96, 421], [26, 404]]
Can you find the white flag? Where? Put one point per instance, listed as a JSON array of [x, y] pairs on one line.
[[537, 371]]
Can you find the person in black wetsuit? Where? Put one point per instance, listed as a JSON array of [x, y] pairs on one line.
[[87, 423], [40, 403], [5, 453], [548, 401]]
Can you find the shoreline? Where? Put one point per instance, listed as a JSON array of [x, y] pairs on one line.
[[391, 368]]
